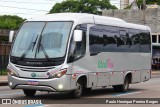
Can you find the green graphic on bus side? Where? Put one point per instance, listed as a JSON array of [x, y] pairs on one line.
[[105, 64]]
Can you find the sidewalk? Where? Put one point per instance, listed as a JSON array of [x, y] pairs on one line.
[[3, 79], [155, 72]]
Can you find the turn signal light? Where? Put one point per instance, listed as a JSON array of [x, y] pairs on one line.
[[12, 72], [60, 74]]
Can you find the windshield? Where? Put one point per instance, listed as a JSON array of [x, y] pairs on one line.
[[38, 39], [156, 51]]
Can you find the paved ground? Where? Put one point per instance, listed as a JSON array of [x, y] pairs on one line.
[[3, 80], [149, 89]]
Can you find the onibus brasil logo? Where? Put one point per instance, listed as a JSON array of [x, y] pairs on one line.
[[105, 64]]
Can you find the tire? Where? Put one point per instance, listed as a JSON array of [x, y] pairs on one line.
[[29, 93], [77, 93], [124, 87]]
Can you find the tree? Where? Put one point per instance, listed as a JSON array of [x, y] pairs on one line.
[[10, 22], [153, 2], [140, 2], [82, 6]]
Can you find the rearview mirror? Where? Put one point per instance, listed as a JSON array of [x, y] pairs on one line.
[[11, 35], [78, 35]]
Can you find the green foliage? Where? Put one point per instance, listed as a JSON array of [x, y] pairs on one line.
[[3, 72], [140, 2], [82, 6], [153, 2], [10, 22]]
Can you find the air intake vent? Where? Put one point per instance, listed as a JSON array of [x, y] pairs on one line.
[[34, 69]]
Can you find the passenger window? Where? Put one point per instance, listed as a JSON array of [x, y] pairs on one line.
[[78, 49], [145, 41], [109, 36], [96, 39], [134, 36], [117, 39], [123, 40]]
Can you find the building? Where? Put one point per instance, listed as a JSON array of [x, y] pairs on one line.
[[4, 32]]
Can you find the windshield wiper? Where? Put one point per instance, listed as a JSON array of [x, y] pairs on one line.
[[43, 49], [29, 48]]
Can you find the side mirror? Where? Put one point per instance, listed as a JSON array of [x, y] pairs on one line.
[[78, 35], [11, 35]]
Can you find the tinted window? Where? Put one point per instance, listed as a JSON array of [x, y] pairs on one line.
[[110, 35], [156, 51], [123, 40], [145, 41], [134, 37], [116, 39], [96, 38]]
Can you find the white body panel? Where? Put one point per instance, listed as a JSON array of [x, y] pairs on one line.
[[122, 63]]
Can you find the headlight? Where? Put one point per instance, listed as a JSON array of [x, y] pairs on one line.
[[12, 72], [59, 74]]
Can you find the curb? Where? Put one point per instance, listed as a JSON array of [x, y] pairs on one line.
[[3, 80], [155, 72], [3, 83]]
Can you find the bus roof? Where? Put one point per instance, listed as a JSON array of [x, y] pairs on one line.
[[88, 18]]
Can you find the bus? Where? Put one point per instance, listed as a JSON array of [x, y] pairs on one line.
[[77, 52]]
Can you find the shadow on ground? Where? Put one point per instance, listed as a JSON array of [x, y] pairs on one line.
[[87, 98]]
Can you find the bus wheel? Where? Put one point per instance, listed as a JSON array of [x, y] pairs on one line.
[[78, 91], [124, 87], [29, 93]]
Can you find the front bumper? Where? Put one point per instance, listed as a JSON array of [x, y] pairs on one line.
[[43, 84]]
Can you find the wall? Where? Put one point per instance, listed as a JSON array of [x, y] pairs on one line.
[[149, 17]]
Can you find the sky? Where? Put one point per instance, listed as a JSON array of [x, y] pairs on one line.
[[31, 8]]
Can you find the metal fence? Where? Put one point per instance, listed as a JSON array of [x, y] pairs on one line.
[[4, 55], [3, 61]]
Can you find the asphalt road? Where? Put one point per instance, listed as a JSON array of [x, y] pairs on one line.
[[148, 89]]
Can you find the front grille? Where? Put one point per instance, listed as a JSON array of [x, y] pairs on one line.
[[34, 69]]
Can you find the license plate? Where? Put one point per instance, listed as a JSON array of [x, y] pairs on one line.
[[32, 82]]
